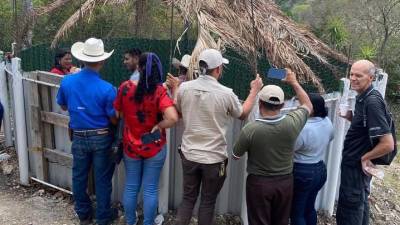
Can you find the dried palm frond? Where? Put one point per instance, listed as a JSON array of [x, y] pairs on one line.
[[84, 11], [284, 42], [51, 7]]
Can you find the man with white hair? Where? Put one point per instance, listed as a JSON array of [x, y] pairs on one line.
[[207, 109], [368, 138], [89, 101]]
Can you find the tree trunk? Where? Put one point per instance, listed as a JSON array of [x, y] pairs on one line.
[[140, 17]]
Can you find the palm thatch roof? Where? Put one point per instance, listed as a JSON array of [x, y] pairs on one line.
[[252, 27], [283, 42]]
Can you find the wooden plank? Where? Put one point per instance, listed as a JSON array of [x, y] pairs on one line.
[[59, 157], [40, 164], [55, 118], [46, 105], [49, 77]]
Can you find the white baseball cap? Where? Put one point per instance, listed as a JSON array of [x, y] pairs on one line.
[[213, 58], [272, 91]]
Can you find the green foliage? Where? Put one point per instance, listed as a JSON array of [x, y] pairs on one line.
[[5, 25], [298, 10], [367, 52], [336, 32]]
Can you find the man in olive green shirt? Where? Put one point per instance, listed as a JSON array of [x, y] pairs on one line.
[[269, 142]]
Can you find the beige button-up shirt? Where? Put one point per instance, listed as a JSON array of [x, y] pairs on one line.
[[207, 109]]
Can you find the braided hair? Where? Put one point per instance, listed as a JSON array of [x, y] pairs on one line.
[[151, 75]]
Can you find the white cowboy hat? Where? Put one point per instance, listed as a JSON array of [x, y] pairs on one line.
[[90, 51]]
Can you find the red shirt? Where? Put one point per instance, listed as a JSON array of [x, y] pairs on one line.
[[140, 118], [59, 72]]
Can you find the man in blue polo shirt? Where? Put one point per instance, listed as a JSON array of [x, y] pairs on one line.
[[89, 101]]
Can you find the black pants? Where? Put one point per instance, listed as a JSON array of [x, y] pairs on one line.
[[353, 207], [211, 178], [269, 199]]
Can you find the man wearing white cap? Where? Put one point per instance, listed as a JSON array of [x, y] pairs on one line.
[[207, 109], [89, 101], [269, 142]]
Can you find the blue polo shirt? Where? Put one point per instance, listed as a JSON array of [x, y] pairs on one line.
[[89, 100]]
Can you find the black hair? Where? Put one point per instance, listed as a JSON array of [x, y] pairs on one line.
[[271, 107], [203, 68], [134, 52], [153, 80], [60, 53], [182, 70], [318, 102]]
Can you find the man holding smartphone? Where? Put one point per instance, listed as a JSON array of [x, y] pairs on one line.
[[207, 109], [269, 142]]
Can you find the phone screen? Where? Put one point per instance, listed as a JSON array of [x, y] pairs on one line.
[[148, 138], [274, 73]]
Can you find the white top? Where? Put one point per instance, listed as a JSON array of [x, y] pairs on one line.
[[135, 76], [207, 109], [313, 140]]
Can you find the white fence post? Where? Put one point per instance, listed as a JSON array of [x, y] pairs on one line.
[[335, 154], [4, 100], [19, 114]]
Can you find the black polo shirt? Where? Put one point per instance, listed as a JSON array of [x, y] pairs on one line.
[[361, 138]]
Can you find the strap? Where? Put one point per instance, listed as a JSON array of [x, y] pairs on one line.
[[384, 103]]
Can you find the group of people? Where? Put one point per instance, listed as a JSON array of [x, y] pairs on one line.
[[285, 151]]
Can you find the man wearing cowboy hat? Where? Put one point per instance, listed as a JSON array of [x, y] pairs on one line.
[[89, 101]]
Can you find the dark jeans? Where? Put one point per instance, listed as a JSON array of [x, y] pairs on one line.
[[87, 151], [308, 180], [353, 207], [211, 178], [1, 113], [269, 199]]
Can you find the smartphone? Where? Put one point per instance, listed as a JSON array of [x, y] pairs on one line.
[[274, 73], [148, 138]]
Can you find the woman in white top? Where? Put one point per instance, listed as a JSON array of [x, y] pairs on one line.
[[309, 169]]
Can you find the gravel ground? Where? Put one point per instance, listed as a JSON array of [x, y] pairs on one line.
[[39, 205]]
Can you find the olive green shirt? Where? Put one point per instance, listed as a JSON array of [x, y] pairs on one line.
[[269, 143]]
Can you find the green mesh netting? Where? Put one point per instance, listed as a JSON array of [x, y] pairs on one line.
[[237, 75]]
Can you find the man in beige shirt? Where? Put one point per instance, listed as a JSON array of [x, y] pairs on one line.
[[207, 109]]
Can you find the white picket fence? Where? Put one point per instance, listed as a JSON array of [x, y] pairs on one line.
[[21, 119]]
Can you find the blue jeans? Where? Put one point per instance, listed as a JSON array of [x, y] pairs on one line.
[[308, 180], [146, 172], [88, 151]]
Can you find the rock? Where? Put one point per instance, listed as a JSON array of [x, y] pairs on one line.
[[39, 193], [378, 209], [7, 168], [397, 208]]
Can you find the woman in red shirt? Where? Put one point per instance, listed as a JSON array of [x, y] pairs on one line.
[[146, 110], [63, 63]]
